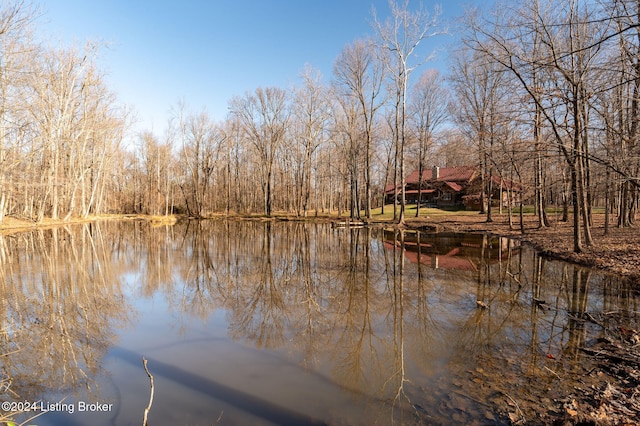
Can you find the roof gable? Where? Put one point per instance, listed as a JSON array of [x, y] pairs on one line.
[[454, 186]]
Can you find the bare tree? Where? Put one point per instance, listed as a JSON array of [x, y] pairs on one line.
[[347, 138], [479, 89], [201, 141], [428, 110], [454, 147], [234, 157], [619, 107], [572, 46], [76, 126], [156, 174], [16, 18], [310, 117], [263, 116], [399, 37], [359, 75]]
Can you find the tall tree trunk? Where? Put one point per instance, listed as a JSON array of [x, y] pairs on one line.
[[575, 199], [543, 220]]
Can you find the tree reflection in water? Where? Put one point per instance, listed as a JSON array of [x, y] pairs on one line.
[[385, 323], [61, 308]]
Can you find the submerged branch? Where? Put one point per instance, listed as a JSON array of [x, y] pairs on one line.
[[146, 410]]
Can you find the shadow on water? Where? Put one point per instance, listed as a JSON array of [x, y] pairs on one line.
[[212, 389]]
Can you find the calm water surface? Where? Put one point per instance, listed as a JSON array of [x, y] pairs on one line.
[[288, 323]]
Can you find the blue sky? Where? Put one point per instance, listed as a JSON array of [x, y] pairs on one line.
[[205, 52]]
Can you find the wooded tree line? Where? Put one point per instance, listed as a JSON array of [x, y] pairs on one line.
[[60, 126], [542, 93], [557, 82]]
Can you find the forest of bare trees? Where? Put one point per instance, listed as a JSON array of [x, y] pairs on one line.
[[543, 93]]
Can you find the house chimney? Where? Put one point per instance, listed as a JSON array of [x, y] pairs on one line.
[[435, 173]]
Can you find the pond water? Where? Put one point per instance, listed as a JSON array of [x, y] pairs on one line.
[[250, 322]]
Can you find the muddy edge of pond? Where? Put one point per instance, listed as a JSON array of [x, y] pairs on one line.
[[610, 397]]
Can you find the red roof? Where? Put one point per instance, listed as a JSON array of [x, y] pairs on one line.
[[454, 186], [446, 174], [390, 189]]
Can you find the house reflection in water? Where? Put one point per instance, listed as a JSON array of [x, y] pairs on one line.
[[454, 251]]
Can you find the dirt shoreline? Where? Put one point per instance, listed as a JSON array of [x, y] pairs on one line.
[[608, 395]]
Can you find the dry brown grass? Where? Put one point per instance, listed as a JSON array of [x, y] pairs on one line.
[[12, 224]]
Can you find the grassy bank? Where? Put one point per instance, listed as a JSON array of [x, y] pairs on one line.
[[12, 224]]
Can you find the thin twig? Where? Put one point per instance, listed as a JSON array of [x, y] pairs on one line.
[[146, 411], [552, 372], [517, 406]]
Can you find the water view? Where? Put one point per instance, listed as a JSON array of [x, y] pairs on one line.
[[252, 322]]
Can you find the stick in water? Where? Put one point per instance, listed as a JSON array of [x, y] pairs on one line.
[[146, 411]]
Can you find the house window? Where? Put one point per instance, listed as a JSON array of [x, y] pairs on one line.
[[446, 196]]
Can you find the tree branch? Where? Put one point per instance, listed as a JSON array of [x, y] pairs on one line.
[[146, 410]]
